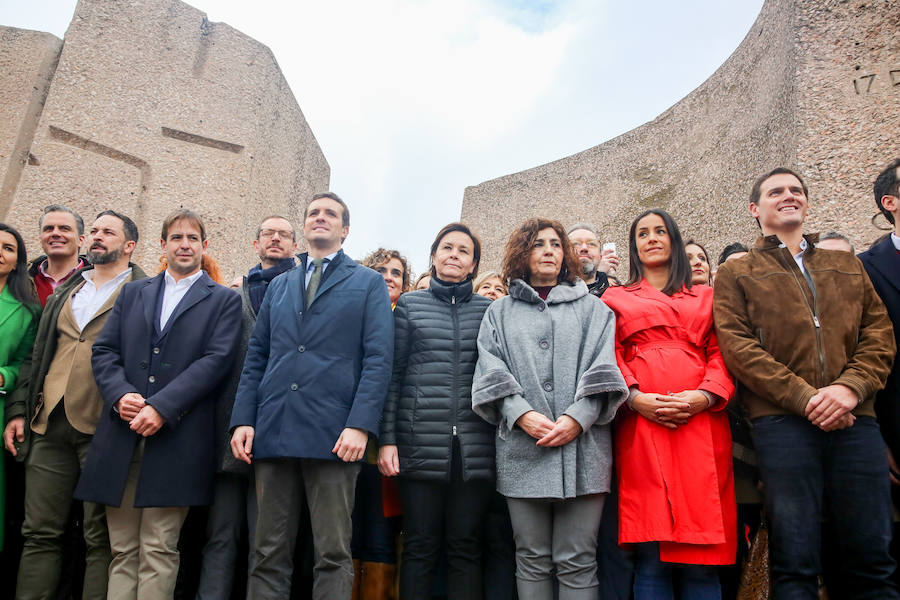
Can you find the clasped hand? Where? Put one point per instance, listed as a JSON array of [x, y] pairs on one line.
[[670, 410], [546, 432], [142, 418], [829, 409]]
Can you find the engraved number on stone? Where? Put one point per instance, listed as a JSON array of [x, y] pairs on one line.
[[858, 84]]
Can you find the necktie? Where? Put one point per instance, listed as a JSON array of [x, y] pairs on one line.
[[314, 280]]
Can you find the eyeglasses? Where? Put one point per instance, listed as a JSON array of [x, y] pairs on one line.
[[270, 233]]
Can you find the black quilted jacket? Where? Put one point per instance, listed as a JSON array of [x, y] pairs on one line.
[[430, 398]]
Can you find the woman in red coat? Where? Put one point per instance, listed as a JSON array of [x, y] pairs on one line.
[[673, 442]]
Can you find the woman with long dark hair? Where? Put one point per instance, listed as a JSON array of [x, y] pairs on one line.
[[673, 442], [548, 381], [441, 451], [698, 259], [19, 314]]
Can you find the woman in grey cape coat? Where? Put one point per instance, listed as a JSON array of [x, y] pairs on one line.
[[547, 378]]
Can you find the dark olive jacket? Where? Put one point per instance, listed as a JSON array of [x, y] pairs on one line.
[[430, 398]]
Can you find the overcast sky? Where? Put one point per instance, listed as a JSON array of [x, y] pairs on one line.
[[413, 100]]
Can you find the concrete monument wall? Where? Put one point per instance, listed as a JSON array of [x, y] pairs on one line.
[[150, 108], [814, 86]]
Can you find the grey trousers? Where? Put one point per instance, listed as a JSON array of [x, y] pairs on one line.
[[560, 534], [51, 472], [329, 489], [234, 503]]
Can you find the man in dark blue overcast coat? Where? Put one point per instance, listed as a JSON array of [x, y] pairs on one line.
[[166, 347], [312, 391]]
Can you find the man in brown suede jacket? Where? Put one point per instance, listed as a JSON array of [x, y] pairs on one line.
[[810, 343]]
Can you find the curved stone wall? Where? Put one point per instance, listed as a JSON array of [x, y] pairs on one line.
[[815, 86]]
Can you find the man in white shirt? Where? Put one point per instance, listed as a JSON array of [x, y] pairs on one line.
[[53, 414], [159, 363]]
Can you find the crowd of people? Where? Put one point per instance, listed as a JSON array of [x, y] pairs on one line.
[[551, 429]]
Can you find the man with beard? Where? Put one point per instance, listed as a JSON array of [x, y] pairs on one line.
[[596, 264], [235, 496], [53, 414]]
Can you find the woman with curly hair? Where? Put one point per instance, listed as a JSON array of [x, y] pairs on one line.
[[547, 379], [392, 266], [375, 524]]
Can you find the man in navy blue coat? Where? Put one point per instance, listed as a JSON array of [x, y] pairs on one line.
[[882, 263], [165, 349], [312, 390]]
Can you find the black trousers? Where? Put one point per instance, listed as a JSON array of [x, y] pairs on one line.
[[449, 515]]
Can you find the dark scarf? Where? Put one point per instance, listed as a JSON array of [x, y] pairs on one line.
[[258, 279]]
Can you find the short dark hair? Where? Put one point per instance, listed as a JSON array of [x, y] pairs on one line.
[[521, 242], [756, 190], [887, 184], [462, 228], [679, 267], [20, 285], [178, 215], [345, 213], [382, 255], [79, 222], [128, 226], [732, 249], [834, 235], [259, 227]]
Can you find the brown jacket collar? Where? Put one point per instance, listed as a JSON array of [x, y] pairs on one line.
[[768, 242]]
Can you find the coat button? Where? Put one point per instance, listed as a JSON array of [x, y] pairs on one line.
[[541, 307], [143, 364], [301, 348], [151, 379], [294, 387], [156, 351], [545, 344], [548, 386], [80, 339]]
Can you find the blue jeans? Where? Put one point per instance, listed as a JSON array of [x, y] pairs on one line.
[[803, 469], [655, 580]]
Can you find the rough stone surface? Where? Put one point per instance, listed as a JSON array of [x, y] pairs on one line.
[[151, 108], [799, 92]]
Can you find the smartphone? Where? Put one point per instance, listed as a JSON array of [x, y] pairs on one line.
[[609, 246]]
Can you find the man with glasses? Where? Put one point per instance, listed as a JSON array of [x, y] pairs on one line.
[[235, 496], [596, 264]]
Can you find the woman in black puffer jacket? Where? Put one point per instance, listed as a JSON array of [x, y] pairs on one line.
[[442, 451]]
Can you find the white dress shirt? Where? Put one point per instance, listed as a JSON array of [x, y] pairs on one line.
[[896, 241], [173, 293], [89, 298]]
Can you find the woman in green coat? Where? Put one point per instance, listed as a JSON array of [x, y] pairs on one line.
[[19, 312]]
